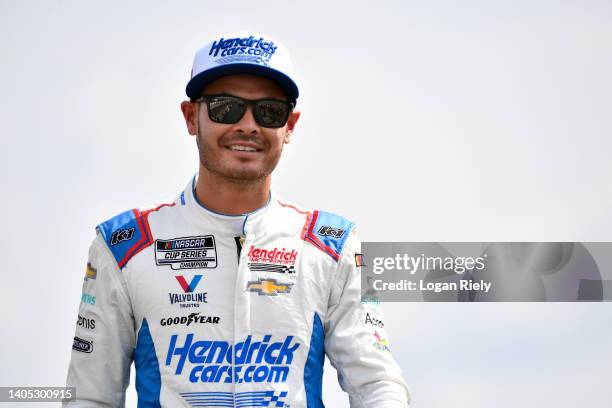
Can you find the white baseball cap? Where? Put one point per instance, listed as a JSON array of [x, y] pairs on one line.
[[242, 53]]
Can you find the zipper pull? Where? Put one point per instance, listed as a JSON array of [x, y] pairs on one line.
[[239, 244]]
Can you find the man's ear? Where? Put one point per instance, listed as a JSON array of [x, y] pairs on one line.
[[190, 113], [293, 118]]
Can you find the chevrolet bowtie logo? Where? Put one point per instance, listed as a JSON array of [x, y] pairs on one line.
[[90, 272], [268, 287]]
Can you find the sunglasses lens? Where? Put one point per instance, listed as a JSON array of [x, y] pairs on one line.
[[226, 109], [229, 109], [271, 113]]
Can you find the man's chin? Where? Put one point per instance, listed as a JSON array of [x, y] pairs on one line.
[[240, 171], [242, 175]]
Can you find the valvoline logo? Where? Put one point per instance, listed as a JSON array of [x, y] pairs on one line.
[[248, 48], [191, 286], [255, 360], [189, 297]]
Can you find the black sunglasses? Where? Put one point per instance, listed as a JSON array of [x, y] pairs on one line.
[[229, 109]]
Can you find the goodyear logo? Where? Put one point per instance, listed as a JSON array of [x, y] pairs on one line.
[[250, 361], [268, 287]]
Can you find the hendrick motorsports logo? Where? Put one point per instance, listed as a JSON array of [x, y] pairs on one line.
[[254, 360], [273, 256], [272, 260], [187, 252]]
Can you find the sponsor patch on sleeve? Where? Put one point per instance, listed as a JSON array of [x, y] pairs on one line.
[[328, 232], [82, 345], [372, 321], [359, 261], [126, 234], [90, 272]]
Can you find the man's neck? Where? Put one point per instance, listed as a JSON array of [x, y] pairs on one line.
[[227, 197]]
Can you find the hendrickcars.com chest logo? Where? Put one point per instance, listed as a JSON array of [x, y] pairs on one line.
[[187, 252], [255, 360], [248, 49]]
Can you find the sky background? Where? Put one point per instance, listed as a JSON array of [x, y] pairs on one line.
[[421, 121]]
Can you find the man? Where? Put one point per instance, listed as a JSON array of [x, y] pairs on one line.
[[229, 296]]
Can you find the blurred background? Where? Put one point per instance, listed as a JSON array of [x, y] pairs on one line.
[[421, 121]]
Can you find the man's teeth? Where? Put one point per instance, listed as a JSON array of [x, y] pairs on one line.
[[243, 148]]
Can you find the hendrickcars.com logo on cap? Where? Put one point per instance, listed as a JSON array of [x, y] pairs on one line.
[[243, 49]]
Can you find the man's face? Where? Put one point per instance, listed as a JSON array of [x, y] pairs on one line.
[[222, 146]]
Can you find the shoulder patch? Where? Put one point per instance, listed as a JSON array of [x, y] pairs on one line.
[[327, 231], [127, 234]]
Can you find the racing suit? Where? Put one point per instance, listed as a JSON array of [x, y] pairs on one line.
[[228, 311]]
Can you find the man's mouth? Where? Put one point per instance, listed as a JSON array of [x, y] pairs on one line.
[[243, 148]]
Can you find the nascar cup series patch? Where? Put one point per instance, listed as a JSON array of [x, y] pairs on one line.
[[186, 252]]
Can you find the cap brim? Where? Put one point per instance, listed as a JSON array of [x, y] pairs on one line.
[[198, 82]]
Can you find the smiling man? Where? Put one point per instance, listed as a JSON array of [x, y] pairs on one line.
[[227, 295]]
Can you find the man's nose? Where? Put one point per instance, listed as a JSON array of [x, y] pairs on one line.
[[247, 124]]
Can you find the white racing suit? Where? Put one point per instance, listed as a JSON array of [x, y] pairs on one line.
[[228, 311]]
